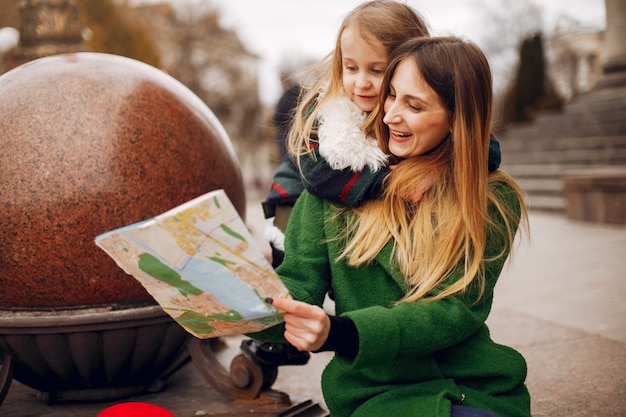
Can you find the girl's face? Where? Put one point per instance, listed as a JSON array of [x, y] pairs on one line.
[[363, 65], [417, 119]]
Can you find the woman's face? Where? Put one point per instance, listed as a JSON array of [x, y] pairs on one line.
[[417, 118], [363, 65]]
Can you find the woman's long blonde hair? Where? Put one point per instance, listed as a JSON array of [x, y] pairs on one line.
[[446, 232], [388, 21]]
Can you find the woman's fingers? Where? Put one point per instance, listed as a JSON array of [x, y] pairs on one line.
[[295, 307], [306, 325]]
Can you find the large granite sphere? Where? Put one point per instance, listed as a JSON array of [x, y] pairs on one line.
[[90, 142]]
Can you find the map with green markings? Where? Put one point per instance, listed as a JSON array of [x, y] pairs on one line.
[[202, 265]]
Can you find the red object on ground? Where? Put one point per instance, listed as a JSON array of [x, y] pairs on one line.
[[135, 409]]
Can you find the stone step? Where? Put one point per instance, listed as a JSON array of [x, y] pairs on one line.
[[560, 126], [552, 203], [570, 156], [564, 143], [542, 184], [599, 112], [549, 170], [590, 131], [610, 150], [608, 97], [596, 108], [547, 185], [596, 194]]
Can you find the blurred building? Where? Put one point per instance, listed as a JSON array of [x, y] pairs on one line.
[[576, 59], [45, 28]]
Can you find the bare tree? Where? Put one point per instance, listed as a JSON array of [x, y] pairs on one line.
[[506, 27], [531, 90], [212, 62], [111, 31]]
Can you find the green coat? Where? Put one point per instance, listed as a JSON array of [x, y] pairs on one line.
[[414, 359]]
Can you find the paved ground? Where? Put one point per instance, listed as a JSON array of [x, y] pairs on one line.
[[561, 302]]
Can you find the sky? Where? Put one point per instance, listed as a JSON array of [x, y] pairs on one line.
[[297, 29]]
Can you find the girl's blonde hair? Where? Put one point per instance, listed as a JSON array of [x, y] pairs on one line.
[[388, 21], [446, 232]]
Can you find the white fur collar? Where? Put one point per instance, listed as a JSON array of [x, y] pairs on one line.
[[342, 142]]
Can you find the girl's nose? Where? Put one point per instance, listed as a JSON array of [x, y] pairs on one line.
[[363, 81]]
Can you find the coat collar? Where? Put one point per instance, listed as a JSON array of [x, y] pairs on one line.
[[388, 262]]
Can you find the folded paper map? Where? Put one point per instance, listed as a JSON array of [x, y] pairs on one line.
[[202, 266]]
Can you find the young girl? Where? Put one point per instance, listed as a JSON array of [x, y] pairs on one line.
[[413, 281], [349, 166]]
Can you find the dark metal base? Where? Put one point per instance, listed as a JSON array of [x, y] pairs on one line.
[[90, 355], [248, 385]]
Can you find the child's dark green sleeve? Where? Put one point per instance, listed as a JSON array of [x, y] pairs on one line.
[[495, 156], [340, 186], [285, 189]]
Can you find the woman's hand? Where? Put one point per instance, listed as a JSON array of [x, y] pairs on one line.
[[306, 325]]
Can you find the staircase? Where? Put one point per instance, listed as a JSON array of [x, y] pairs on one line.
[[590, 132]]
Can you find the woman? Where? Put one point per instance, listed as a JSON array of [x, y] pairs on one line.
[[413, 281]]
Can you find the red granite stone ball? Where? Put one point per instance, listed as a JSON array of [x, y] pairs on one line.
[[90, 142]]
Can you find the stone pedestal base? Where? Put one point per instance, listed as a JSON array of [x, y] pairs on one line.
[[596, 195]]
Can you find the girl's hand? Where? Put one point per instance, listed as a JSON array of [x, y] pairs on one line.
[[306, 325]]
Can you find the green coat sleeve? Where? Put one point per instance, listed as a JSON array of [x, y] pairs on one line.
[[305, 270]]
